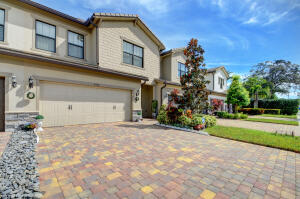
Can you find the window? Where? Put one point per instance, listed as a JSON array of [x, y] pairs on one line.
[[75, 45], [132, 54], [221, 82], [2, 20], [45, 38], [182, 70]]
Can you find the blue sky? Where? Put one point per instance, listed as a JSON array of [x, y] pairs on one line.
[[234, 33]]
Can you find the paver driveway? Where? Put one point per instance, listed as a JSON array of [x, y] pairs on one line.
[[139, 160]]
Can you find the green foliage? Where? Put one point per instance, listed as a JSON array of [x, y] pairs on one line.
[[281, 116], [257, 87], [196, 121], [39, 117], [221, 114], [236, 116], [210, 121], [282, 75], [193, 82], [226, 115], [252, 111], [243, 116], [162, 117], [257, 137], [272, 111], [173, 114], [198, 115], [275, 121], [286, 106], [154, 105], [237, 94], [184, 120]]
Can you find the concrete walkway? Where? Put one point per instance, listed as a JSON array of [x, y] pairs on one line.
[[268, 127]]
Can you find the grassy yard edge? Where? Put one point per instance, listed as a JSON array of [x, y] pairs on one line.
[[280, 116], [249, 131], [286, 122]]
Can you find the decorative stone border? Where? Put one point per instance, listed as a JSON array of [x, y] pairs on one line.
[[18, 167], [13, 120], [183, 129]]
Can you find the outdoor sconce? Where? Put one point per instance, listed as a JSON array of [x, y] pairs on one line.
[[30, 82], [137, 95], [14, 81]]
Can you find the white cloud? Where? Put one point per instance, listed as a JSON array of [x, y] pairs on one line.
[[157, 6], [251, 21], [254, 12]]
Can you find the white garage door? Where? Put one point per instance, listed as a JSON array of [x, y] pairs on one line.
[[68, 104]]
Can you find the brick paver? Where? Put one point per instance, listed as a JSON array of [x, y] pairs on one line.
[[4, 138], [140, 160], [268, 127]]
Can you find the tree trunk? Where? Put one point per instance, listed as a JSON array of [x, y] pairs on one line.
[[235, 108], [256, 100]]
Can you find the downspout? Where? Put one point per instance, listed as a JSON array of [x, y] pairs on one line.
[[161, 91], [213, 81], [97, 41]]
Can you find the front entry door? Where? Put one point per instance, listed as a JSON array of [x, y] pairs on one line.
[[2, 105]]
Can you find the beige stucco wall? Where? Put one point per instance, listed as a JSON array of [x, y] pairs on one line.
[[20, 32], [177, 57], [16, 100], [166, 67], [111, 36]]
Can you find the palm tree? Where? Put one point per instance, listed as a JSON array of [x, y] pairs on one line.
[[258, 88]]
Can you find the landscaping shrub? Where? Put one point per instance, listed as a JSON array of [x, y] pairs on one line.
[[230, 116], [196, 121], [221, 114], [272, 111], [252, 111], [287, 106], [198, 115], [173, 114], [244, 116], [236, 116], [185, 121], [210, 121], [162, 117]]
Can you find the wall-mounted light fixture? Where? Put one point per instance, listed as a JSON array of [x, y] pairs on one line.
[[30, 82], [14, 81], [137, 95]]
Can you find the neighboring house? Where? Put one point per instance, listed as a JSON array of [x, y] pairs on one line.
[[107, 68], [172, 67]]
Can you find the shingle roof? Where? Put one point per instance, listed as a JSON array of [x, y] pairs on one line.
[[173, 50]]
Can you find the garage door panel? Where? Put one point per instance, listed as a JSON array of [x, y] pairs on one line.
[[89, 104]]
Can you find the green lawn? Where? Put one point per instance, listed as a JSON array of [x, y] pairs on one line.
[[286, 142], [280, 116], [295, 123]]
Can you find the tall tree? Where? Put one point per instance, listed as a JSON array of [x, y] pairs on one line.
[[237, 95], [257, 88], [282, 75], [193, 83]]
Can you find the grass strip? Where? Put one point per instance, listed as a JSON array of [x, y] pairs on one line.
[[286, 142], [294, 123], [280, 116]]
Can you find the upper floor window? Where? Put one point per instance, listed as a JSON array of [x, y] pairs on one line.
[[132, 54], [45, 36], [182, 70], [221, 82], [75, 45], [2, 20]]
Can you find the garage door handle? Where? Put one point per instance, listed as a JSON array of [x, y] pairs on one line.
[[70, 107]]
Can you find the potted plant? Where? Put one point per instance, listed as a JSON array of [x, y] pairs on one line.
[[198, 123], [39, 119]]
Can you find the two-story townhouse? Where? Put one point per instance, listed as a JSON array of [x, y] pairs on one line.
[[172, 68], [72, 71]]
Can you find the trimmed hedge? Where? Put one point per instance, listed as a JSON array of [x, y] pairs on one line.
[[287, 106], [252, 111], [272, 111], [223, 114]]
